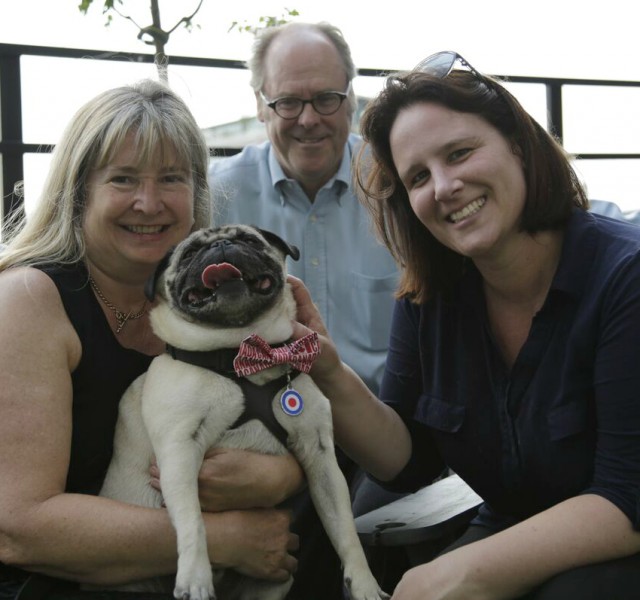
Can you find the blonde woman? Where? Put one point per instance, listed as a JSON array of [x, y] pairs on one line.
[[127, 182]]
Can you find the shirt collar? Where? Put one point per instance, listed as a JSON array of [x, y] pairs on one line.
[[578, 251], [341, 179]]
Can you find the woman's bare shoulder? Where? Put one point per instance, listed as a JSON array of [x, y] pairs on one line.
[[31, 310]]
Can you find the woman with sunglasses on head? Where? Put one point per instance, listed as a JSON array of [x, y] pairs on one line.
[[513, 356]]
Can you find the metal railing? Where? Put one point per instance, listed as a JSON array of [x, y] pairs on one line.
[[13, 148]]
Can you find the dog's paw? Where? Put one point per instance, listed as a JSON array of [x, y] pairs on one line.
[[194, 590], [194, 579], [363, 586]]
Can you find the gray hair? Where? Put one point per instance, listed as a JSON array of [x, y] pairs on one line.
[[266, 36], [161, 122]]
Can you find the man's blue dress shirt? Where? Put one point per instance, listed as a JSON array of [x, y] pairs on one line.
[[351, 277], [565, 419]]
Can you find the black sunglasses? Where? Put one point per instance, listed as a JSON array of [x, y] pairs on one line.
[[441, 64]]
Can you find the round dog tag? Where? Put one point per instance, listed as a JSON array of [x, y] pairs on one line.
[[291, 402]]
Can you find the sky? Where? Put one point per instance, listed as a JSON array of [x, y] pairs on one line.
[[555, 38]]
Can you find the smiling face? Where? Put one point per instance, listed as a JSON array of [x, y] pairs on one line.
[[464, 182], [309, 148], [136, 213]]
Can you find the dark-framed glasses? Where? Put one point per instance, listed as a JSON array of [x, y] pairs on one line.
[[291, 107], [441, 64]]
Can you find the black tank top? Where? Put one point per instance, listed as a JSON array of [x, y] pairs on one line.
[[103, 374], [105, 371]]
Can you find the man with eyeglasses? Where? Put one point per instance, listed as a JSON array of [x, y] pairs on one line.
[[298, 184]]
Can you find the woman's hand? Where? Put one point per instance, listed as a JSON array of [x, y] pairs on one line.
[[232, 479], [257, 543], [307, 312], [436, 580], [308, 320]]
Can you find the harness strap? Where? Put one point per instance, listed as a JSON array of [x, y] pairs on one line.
[[258, 398]]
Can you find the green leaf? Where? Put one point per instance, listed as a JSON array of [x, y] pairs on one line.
[[84, 6]]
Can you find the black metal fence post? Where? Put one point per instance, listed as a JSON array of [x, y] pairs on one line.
[[11, 121]]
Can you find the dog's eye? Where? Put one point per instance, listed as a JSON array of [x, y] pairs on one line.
[[251, 240], [188, 254]]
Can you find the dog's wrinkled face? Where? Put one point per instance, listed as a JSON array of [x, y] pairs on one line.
[[224, 276]]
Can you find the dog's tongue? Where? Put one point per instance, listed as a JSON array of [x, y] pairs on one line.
[[214, 275]]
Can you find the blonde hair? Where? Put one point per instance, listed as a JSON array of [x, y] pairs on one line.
[[162, 125]]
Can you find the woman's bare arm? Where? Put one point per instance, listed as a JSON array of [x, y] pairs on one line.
[[582, 530]]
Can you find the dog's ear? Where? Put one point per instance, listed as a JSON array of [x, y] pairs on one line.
[[152, 282], [278, 242]]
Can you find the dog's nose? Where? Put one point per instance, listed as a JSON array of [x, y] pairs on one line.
[[221, 246], [218, 243]]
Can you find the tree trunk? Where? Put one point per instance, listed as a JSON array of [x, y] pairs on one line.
[[161, 59]]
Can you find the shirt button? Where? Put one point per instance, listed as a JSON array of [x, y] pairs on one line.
[[313, 218], [315, 262]]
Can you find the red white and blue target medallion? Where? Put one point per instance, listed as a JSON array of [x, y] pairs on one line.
[[291, 402]]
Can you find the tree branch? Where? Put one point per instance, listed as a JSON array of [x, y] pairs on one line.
[[186, 20]]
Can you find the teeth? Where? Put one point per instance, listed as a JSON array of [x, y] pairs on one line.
[[470, 209], [145, 228]]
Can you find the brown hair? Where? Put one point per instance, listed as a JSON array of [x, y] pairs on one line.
[[553, 189]]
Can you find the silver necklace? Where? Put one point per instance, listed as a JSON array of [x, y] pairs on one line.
[[121, 317]]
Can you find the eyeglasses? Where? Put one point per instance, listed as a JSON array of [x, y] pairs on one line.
[[441, 64], [291, 107]]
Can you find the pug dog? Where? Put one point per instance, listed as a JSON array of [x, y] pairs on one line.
[[221, 290]]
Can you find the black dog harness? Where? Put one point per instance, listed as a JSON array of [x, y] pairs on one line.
[[258, 398]]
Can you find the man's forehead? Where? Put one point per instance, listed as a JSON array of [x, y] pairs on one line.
[[303, 63]]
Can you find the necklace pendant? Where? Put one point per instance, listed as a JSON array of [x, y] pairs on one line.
[[121, 317], [121, 323], [121, 320]]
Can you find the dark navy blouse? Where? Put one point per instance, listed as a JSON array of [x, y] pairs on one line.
[[565, 420]]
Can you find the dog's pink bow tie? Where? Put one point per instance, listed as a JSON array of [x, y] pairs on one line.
[[255, 354]]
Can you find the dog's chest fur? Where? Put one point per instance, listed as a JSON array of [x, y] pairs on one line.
[[214, 402]]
